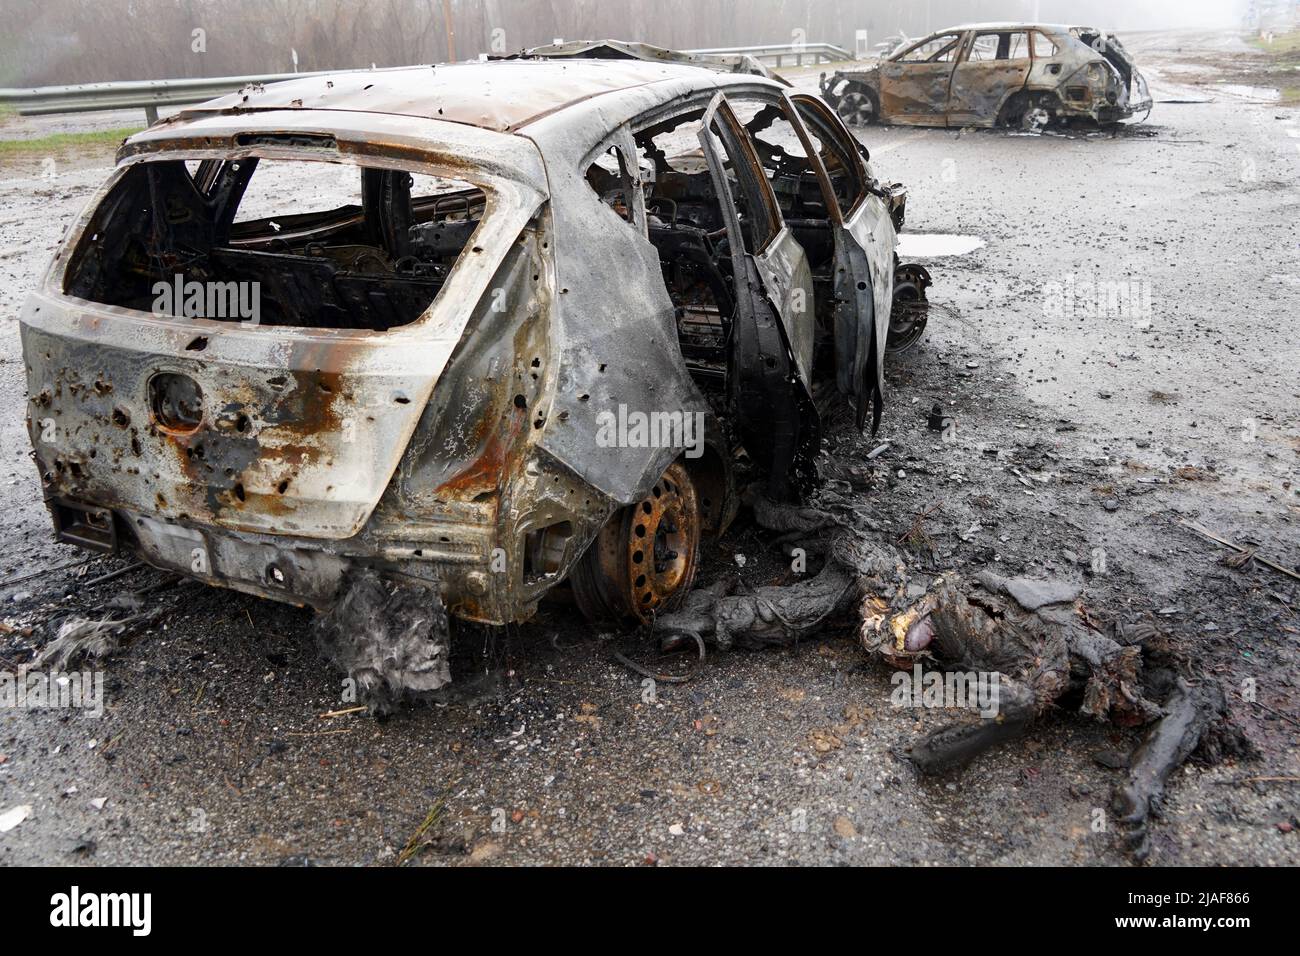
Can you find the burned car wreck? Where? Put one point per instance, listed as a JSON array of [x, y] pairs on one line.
[[453, 386], [1016, 75], [624, 50]]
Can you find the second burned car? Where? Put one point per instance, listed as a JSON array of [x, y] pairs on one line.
[[498, 274], [1015, 74]]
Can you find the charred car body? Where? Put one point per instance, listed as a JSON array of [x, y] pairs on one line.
[[625, 50], [457, 377], [1018, 75]]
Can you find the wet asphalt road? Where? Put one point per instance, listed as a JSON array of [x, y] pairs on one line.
[[211, 749]]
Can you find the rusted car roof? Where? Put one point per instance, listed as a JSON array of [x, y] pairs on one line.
[[499, 95]]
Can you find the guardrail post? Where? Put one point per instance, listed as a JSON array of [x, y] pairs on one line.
[[150, 115]]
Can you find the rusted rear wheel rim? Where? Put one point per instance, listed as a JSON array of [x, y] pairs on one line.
[[662, 542], [643, 561]]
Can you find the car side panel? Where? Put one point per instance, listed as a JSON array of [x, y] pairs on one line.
[[915, 94], [980, 88]]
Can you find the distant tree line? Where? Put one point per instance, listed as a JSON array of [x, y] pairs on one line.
[[46, 42]]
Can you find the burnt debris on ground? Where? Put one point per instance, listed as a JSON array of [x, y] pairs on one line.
[[1034, 640]]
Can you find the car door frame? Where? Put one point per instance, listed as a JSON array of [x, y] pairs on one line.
[[1048, 72], [903, 85], [865, 241], [996, 80], [769, 361]]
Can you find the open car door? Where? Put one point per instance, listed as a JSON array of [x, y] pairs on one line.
[[864, 257], [769, 361]]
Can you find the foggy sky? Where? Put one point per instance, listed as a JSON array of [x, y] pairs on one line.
[[45, 42], [1143, 14]]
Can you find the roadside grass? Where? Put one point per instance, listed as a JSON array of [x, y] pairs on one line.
[[419, 840], [1288, 44], [1281, 67], [64, 142]]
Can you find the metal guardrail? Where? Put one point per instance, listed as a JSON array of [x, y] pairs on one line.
[[149, 95], [779, 53], [129, 94]]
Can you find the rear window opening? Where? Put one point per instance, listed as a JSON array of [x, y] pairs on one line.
[[276, 242]]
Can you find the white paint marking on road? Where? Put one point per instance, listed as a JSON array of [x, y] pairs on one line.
[[890, 147], [914, 245], [1258, 94]]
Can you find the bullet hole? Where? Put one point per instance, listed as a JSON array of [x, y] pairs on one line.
[[121, 418], [239, 492], [197, 344], [521, 402]]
